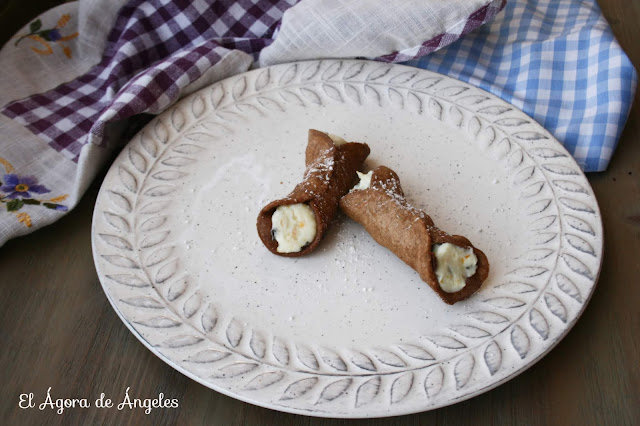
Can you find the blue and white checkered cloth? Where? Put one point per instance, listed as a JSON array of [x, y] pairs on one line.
[[559, 62]]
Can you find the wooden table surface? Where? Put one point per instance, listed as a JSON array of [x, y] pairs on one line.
[[58, 330]]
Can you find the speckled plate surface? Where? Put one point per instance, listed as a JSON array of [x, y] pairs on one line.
[[349, 331]]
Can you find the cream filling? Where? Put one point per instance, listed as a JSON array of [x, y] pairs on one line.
[[365, 181], [337, 140], [293, 227], [455, 265]]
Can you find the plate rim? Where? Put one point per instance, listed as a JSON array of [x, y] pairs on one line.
[[355, 414]]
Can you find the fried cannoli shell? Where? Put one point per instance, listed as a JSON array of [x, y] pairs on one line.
[[330, 173], [408, 232]]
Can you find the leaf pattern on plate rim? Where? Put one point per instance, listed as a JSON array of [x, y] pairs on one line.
[[265, 380], [493, 357], [299, 388], [334, 390], [368, 391], [434, 381], [538, 168], [401, 387]]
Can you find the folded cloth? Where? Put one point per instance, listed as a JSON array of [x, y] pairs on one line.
[[78, 78], [558, 61]]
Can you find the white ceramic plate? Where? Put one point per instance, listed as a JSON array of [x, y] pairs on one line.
[[349, 331]]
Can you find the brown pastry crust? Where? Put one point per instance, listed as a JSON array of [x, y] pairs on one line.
[[408, 232], [330, 173]]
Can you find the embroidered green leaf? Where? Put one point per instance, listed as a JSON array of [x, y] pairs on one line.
[[14, 205], [31, 201], [35, 25]]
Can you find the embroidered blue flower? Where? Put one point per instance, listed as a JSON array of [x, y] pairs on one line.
[[60, 208], [47, 37], [51, 35], [17, 192], [21, 186]]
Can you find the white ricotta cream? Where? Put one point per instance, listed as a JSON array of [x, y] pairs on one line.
[[337, 140], [365, 181], [455, 265], [293, 227]]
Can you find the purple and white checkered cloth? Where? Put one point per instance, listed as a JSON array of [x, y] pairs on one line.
[[157, 48]]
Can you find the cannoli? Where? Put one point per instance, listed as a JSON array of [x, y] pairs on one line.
[[294, 225], [450, 264]]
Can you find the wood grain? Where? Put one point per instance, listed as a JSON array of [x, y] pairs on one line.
[[59, 330]]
